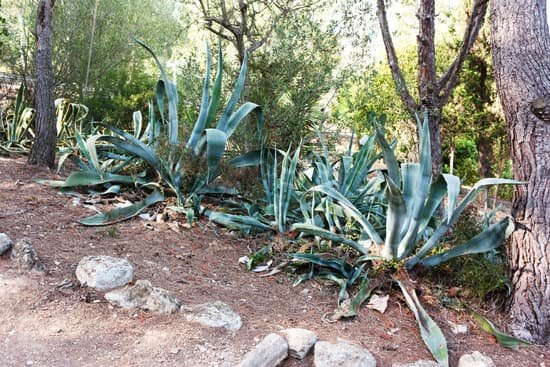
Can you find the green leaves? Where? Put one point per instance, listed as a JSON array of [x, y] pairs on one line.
[[336, 270], [242, 223]]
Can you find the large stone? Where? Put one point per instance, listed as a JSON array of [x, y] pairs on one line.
[[5, 243], [144, 296], [300, 341], [214, 314], [475, 359], [25, 258], [342, 354], [421, 363], [270, 352], [104, 273]]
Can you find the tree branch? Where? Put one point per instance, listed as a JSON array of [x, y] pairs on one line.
[[392, 59], [219, 34], [257, 44], [475, 21]]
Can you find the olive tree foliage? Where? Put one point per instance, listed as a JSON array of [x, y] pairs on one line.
[[293, 54], [474, 112], [290, 76], [354, 25], [248, 24], [3, 28]]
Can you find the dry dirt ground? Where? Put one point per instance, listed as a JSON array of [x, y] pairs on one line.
[[42, 324]]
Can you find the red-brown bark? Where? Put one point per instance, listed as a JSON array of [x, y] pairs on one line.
[[521, 61]]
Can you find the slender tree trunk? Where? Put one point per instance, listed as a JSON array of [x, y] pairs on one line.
[[427, 81], [434, 92], [485, 155], [434, 123], [521, 60], [43, 148]]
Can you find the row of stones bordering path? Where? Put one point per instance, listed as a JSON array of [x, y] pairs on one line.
[[115, 277]]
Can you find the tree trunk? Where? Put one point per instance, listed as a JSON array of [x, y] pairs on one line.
[[43, 148], [521, 60], [484, 152], [434, 123]]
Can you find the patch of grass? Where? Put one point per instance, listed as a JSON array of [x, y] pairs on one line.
[[482, 277], [112, 232]]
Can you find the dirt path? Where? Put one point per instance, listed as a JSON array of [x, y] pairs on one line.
[[42, 324]]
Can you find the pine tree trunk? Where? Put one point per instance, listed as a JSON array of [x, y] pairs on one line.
[[43, 148], [521, 59]]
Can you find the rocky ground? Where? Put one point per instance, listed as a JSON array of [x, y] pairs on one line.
[[48, 319]]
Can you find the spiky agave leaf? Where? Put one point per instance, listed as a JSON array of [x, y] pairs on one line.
[[420, 180], [506, 340], [431, 333], [121, 214], [242, 223], [397, 216], [166, 87], [455, 214], [485, 241], [351, 211]]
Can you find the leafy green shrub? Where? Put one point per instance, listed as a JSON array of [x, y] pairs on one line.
[[465, 160], [483, 278], [122, 93]]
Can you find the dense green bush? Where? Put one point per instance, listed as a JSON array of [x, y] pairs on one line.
[[123, 92]]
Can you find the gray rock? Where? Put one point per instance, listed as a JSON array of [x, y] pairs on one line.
[[144, 296], [5, 243], [214, 314], [421, 363], [104, 273], [25, 257], [300, 341], [342, 354], [475, 359], [270, 352], [458, 328]]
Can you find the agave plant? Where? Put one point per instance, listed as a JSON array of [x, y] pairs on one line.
[[205, 139], [347, 178], [412, 201], [159, 145], [16, 126], [70, 118]]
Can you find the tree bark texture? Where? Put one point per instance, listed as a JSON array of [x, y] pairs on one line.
[[521, 61], [43, 148], [434, 93]]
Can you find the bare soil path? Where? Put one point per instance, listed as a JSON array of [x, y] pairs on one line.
[[45, 324]]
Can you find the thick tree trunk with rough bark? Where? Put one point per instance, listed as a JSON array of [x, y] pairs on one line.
[[521, 60], [43, 148]]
